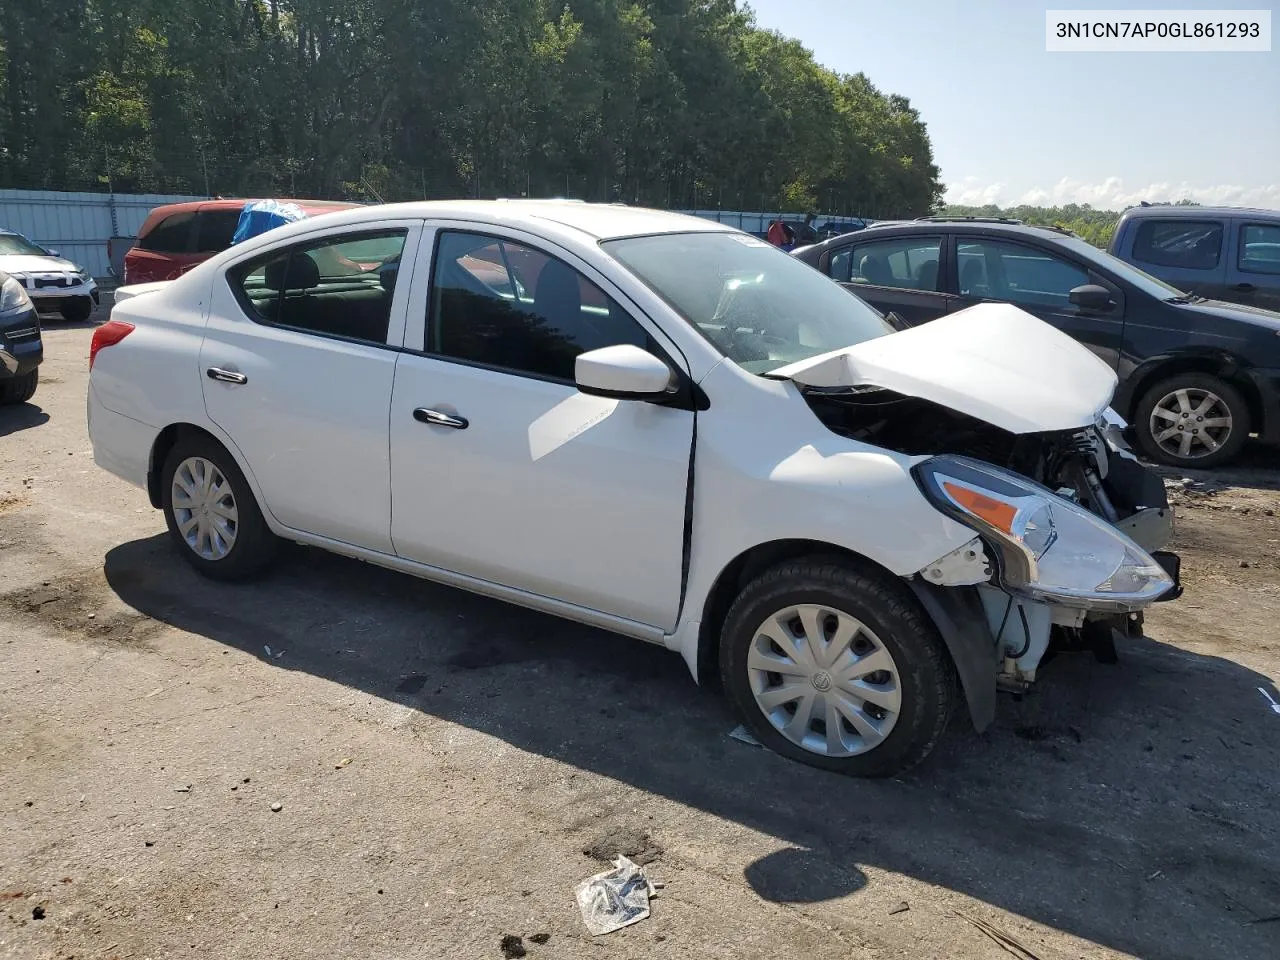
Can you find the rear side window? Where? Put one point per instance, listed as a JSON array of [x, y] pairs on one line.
[[214, 230], [336, 287], [170, 235], [910, 263], [1189, 244], [1260, 248], [506, 305]]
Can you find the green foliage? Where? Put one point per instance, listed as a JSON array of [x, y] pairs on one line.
[[661, 102], [1095, 226]]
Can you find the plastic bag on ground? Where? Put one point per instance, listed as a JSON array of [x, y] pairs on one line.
[[614, 899]]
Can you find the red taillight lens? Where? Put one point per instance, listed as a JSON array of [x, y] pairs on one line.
[[108, 335]]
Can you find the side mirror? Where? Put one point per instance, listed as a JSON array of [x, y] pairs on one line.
[[623, 372], [53, 253], [1091, 296]]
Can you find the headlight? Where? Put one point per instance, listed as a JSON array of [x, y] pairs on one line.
[[13, 299], [1049, 548]]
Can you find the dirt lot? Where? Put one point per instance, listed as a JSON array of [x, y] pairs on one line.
[[443, 761]]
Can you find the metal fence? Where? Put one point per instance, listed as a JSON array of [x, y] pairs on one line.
[[95, 229], [80, 226]]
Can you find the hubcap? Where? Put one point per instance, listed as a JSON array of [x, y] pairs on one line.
[[824, 680], [204, 508], [1190, 423]]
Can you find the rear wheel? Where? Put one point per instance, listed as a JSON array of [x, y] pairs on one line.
[[77, 309], [837, 668], [1192, 420], [211, 512], [19, 389]]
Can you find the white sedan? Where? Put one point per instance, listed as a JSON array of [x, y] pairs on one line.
[[658, 426], [54, 284]]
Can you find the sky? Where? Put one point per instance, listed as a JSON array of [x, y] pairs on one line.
[[1011, 123]]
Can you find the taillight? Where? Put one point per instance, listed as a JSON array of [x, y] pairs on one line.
[[108, 335]]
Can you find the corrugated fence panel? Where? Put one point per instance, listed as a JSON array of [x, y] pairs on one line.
[[78, 225]]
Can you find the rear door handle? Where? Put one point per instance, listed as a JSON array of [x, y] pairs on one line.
[[226, 376], [438, 418], [1245, 287]]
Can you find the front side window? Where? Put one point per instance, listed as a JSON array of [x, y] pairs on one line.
[[1189, 244], [503, 304], [170, 235], [338, 287], [215, 230], [760, 307], [909, 263], [1016, 273], [1260, 248]]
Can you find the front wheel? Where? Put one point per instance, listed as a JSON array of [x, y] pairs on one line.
[[837, 668], [20, 389], [77, 309], [211, 512], [1192, 420]]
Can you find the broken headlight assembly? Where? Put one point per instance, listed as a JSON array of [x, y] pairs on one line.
[[1048, 548]]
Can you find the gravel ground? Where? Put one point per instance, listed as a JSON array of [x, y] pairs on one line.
[[416, 772]]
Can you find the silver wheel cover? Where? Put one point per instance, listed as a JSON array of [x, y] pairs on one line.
[[204, 508], [1190, 423], [824, 680]]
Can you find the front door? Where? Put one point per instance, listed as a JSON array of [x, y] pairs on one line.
[[898, 274], [297, 365], [501, 470], [1253, 276], [1040, 282]]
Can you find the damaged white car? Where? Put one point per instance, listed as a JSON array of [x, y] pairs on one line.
[[657, 426]]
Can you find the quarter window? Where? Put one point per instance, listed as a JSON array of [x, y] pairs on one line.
[[503, 304], [910, 263], [336, 287], [1260, 248], [1018, 274], [170, 235], [1189, 244]]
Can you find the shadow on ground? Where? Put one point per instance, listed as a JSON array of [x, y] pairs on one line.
[[21, 416], [1131, 805]]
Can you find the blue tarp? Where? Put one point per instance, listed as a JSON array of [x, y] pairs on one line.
[[259, 216]]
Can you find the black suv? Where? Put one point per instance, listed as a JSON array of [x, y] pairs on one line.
[[1196, 376], [21, 348]]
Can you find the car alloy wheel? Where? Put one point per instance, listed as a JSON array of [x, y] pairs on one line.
[[1190, 423], [204, 508], [824, 680]]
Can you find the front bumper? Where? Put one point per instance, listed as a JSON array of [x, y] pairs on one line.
[[21, 349], [51, 299], [1267, 384]]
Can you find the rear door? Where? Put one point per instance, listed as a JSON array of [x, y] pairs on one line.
[[1188, 253], [297, 364], [1039, 281], [1253, 275], [901, 273]]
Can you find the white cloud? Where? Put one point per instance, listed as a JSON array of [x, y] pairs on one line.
[[1112, 194]]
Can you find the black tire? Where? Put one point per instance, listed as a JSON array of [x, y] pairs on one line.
[[254, 546], [927, 676], [77, 309], [19, 389], [1231, 445]]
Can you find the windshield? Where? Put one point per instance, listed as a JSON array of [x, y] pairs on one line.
[[760, 307], [11, 243], [1125, 271]]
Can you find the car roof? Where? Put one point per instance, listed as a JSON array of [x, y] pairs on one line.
[[237, 203], [600, 221], [934, 227], [1191, 213]]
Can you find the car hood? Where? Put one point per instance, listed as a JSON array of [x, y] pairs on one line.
[[29, 263], [993, 361], [1228, 311]]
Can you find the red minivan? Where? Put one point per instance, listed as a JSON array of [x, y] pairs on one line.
[[177, 236]]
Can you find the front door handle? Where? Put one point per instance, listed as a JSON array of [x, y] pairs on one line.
[[226, 376], [438, 418], [1245, 287]]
